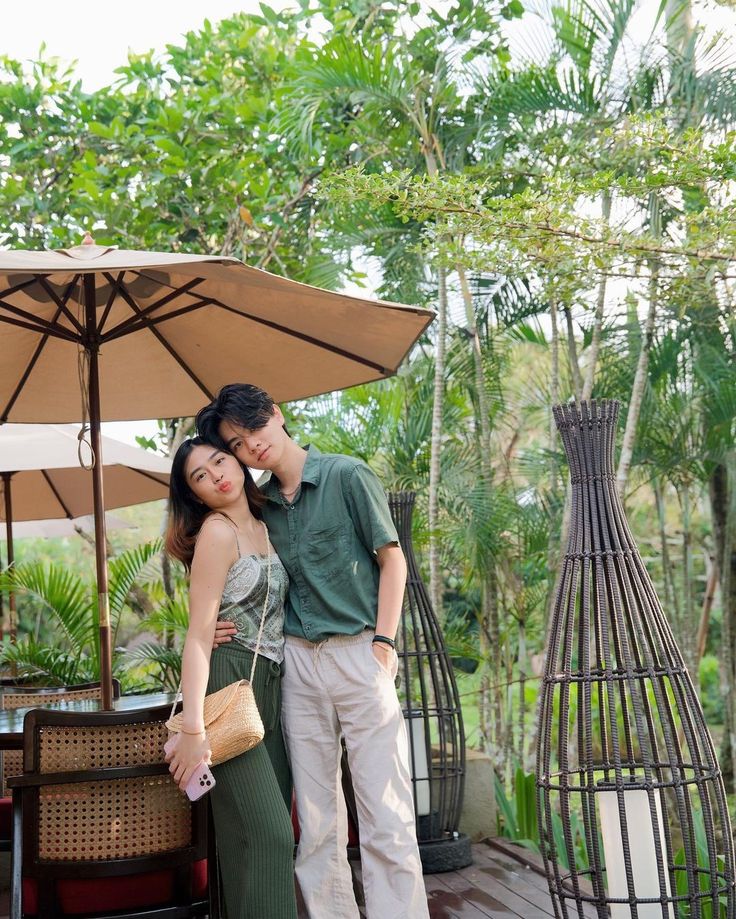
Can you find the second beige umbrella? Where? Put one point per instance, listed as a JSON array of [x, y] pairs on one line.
[[41, 477]]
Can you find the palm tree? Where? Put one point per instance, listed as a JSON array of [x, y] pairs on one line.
[[596, 73], [404, 88], [70, 603]]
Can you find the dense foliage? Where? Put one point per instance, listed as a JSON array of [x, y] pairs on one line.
[[570, 215]]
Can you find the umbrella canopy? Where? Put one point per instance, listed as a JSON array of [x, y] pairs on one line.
[[41, 477], [172, 329], [61, 527], [97, 332], [41, 462]]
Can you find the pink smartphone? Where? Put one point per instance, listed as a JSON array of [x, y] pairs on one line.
[[200, 783]]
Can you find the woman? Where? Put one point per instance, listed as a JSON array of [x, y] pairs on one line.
[[215, 530]]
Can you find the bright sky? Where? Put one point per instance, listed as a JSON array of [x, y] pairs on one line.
[[98, 36]]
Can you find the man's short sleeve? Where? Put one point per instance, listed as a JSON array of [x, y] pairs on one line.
[[369, 509]]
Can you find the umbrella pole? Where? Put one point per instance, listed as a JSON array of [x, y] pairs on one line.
[[103, 600], [12, 624]]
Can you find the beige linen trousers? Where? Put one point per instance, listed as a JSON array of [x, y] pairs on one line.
[[337, 688]]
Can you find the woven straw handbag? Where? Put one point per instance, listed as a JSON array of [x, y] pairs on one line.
[[231, 717]]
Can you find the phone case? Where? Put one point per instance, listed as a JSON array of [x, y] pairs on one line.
[[200, 783]]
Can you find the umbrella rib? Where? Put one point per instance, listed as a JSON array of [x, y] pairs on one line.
[[33, 323], [36, 354], [310, 339], [22, 286], [148, 475], [132, 327], [162, 341], [143, 312], [302, 336], [114, 284], [60, 303], [57, 495], [209, 301]]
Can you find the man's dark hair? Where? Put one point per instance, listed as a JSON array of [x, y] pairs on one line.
[[243, 404]]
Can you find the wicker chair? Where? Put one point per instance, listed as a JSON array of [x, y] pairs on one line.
[[99, 827], [19, 696]]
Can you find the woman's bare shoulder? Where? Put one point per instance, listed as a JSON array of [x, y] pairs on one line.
[[216, 533]]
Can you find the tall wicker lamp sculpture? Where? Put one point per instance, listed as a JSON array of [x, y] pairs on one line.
[[632, 813], [434, 721]]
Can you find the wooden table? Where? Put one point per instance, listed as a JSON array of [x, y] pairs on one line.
[[11, 721]]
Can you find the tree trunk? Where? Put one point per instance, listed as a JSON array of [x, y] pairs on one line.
[[483, 419], [554, 546], [671, 595], [521, 744], [599, 313], [572, 353], [721, 499], [489, 589], [554, 391], [642, 366], [710, 593], [435, 573], [689, 628]]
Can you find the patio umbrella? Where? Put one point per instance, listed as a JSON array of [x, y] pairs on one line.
[[62, 527], [106, 334], [41, 477]]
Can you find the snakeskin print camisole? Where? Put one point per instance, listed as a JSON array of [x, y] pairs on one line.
[[243, 598]]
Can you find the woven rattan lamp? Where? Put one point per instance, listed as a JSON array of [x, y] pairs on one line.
[[434, 720], [632, 813]]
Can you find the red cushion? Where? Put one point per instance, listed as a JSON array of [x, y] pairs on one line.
[[6, 818], [108, 894]]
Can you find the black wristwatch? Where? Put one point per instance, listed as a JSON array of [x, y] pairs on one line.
[[384, 640]]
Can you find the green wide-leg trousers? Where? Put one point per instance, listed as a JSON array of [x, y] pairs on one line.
[[251, 802]]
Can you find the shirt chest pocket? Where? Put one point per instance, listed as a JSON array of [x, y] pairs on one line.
[[327, 548]]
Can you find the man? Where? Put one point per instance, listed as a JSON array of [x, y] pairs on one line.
[[329, 521]]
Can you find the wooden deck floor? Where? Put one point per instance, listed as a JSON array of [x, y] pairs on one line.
[[496, 885]]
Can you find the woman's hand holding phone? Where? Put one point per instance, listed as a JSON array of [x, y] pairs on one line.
[[184, 753], [200, 783]]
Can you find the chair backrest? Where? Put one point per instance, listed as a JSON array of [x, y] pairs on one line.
[[98, 802], [28, 696], [12, 697]]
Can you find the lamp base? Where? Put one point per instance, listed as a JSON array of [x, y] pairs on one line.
[[449, 854]]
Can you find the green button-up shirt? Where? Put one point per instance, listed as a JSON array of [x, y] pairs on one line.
[[327, 539]]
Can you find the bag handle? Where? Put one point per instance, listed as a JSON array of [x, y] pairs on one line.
[[260, 628]]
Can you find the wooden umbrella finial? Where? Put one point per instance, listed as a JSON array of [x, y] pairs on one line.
[[88, 241]]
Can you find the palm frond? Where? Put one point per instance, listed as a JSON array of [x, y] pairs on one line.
[[62, 593], [343, 71], [171, 616], [124, 571], [165, 662], [48, 665]]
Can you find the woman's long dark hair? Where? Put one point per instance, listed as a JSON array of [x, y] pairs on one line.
[[186, 512]]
